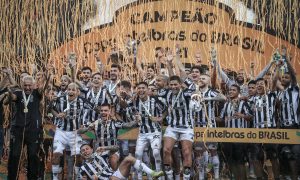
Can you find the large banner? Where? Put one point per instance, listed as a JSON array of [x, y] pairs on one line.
[[237, 135], [194, 25]]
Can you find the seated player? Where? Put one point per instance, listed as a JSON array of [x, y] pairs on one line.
[[96, 165]]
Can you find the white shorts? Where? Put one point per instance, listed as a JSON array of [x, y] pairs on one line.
[[62, 139], [119, 175], [180, 134], [143, 140]]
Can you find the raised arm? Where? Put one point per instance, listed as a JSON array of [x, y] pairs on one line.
[[9, 97], [12, 81], [179, 64], [276, 84], [129, 124], [158, 55], [141, 72], [112, 148], [291, 72], [265, 70], [220, 72], [214, 78], [7, 78], [170, 59], [218, 97], [224, 76], [213, 59], [100, 66]]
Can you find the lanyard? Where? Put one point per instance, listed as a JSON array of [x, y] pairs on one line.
[[26, 101], [68, 104], [152, 81], [97, 96], [111, 88], [176, 99], [62, 93], [147, 107]]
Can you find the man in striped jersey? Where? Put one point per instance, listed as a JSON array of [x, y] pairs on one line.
[[125, 113], [112, 84], [252, 94], [161, 84], [68, 112], [97, 96], [202, 112], [265, 117], [290, 116], [237, 114], [106, 131], [180, 125], [96, 166], [241, 78], [150, 110], [264, 106], [252, 151]]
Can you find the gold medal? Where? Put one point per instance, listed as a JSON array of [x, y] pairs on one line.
[[25, 110]]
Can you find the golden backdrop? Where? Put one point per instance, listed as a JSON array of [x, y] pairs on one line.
[[33, 32]]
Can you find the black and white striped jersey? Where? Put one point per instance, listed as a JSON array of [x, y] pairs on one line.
[[178, 106], [107, 132], [162, 94], [62, 93], [150, 81], [251, 102], [97, 99], [77, 113], [289, 106], [99, 166], [151, 107], [232, 107], [264, 111], [111, 87], [127, 113], [229, 82], [203, 114]]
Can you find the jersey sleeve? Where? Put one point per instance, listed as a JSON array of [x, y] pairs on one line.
[[191, 87], [247, 109]]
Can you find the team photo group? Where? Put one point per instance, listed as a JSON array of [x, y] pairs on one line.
[[166, 101]]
